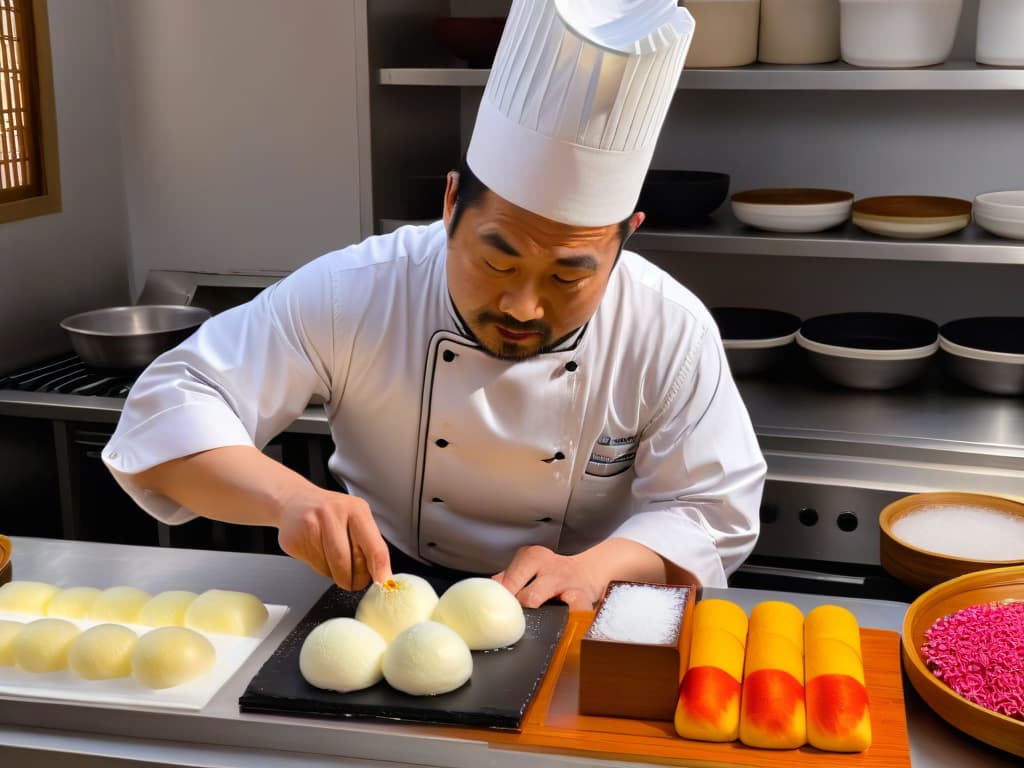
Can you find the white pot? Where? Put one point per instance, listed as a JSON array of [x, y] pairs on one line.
[[725, 34], [1000, 33], [799, 31], [897, 33]]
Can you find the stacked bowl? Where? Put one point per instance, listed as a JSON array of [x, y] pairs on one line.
[[1001, 213], [986, 353], [755, 340], [869, 350]]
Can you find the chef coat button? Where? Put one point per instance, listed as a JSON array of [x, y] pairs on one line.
[[442, 443], [559, 456], [571, 366], [112, 455], [448, 355]]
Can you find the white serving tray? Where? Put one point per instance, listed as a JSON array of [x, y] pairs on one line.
[[232, 652]]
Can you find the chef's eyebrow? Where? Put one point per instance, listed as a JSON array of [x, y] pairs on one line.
[[578, 261], [495, 240]]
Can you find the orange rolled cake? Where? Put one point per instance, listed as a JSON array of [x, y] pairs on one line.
[[838, 718], [772, 713], [709, 694]]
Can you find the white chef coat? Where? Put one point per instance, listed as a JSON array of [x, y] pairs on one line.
[[632, 428]]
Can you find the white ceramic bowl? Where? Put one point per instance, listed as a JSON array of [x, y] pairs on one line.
[[792, 210], [911, 229], [1000, 38], [911, 216], [998, 225], [897, 33], [1005, 205]]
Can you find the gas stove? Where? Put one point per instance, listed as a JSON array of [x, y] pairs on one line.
[[68, 375]]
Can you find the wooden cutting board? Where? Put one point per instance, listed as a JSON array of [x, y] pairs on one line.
[[553, 723]]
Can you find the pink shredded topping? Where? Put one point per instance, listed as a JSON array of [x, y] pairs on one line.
[[979, 653]]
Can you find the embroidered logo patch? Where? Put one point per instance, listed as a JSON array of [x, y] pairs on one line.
[[612, 455]]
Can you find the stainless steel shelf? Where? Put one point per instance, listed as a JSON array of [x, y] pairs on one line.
[[723, 233], [950, 76]]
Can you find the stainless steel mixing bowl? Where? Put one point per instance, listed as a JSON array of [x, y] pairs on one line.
[[124, 338]]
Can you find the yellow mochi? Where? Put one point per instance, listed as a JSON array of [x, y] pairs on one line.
[[73, 603], [26, 597], [227, 612], [102, 652], [170, 656], [42, 645], [119, 604], [8, 631], [167, 609]]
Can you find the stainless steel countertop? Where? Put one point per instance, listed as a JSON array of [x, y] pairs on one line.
[[36, 732]]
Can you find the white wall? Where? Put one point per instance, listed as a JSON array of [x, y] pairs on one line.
[[52, 266], [241, 146]]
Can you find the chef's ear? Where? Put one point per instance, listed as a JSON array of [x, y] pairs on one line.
[[451, 195]]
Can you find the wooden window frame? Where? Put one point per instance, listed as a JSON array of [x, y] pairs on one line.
[[44, 113]]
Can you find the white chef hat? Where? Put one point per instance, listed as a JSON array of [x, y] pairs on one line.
[[576, 98]]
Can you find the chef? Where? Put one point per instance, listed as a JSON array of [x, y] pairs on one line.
[[510, 392]]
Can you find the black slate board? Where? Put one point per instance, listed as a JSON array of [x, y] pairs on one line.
[[503, 682]]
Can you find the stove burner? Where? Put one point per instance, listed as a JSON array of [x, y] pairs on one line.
[[70, 376]]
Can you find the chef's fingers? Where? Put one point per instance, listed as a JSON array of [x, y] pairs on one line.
[[360, 573], [367, 539], [524, 567], [576, 599], [335, 543]]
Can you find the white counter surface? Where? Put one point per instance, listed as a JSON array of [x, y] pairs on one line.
[[56, 734]]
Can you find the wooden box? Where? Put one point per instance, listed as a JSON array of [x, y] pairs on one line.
[[634, 653]]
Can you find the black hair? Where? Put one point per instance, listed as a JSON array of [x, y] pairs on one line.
[[471, 189]]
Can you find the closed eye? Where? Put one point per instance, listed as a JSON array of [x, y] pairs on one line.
[[567, 280], [498, 269]]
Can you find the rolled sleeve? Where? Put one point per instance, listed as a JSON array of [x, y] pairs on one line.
[[242, 378]]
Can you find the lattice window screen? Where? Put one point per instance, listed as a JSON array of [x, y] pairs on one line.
[[19, 175]]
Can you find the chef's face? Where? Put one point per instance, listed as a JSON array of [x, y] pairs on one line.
[[522, 282]]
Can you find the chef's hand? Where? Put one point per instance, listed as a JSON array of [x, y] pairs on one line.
[[536, 574], [336, 535]]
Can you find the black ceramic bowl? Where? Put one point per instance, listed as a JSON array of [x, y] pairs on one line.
[[681, 198], [472, 39], [986, 353], [869, 350], [755, 340]]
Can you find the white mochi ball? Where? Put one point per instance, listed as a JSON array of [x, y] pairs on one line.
[[72, 603], [427, 659], [167, 609], [26, 597], [170, 656], [484, 613], [398, 603], [226, 612], [342, 655], [103, 652], [42, 645], [121, 605], [8, 631]]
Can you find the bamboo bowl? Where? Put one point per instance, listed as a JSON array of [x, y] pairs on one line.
[[921, 568], [997, 584], [5, 559]]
